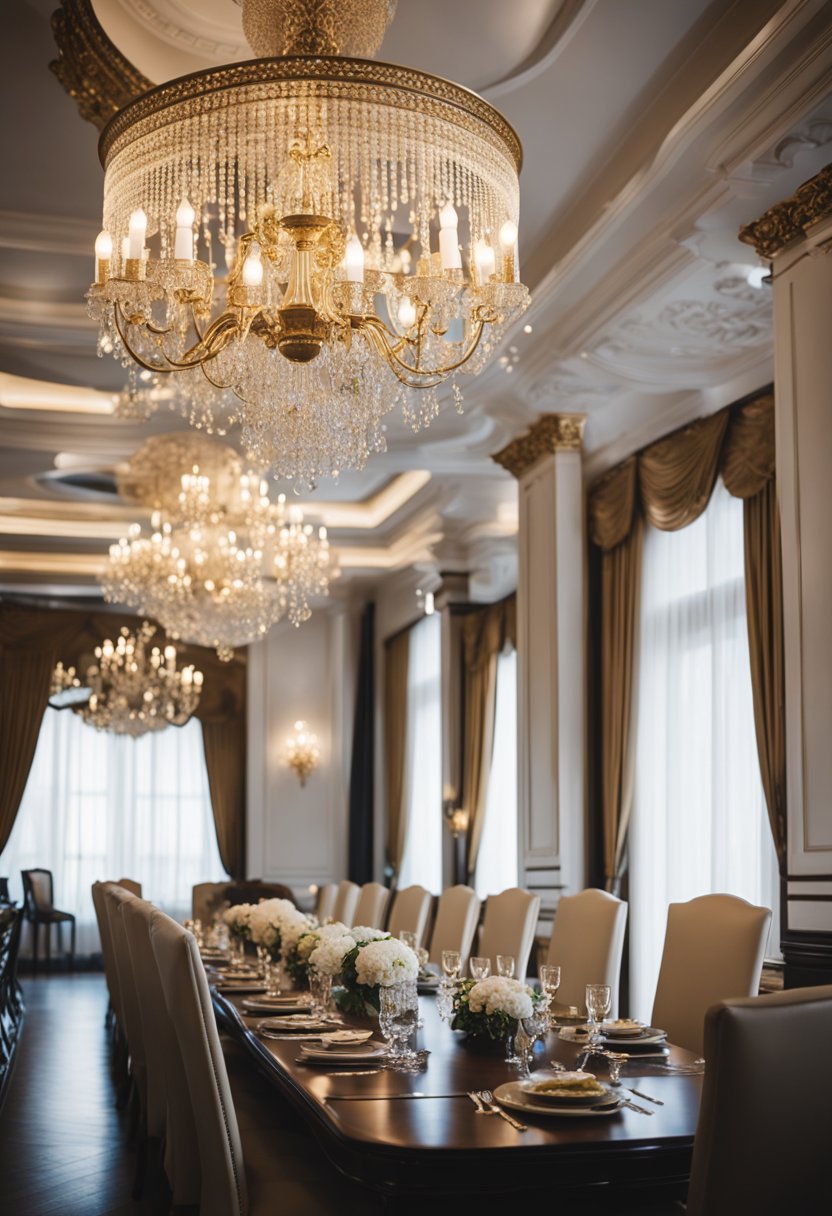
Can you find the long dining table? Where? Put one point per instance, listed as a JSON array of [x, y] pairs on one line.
[[403, 1133]]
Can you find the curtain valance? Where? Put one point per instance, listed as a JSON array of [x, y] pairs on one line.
[[486, 630], [671, 481]]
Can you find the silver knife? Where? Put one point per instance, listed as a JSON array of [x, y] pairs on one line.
[[639, 1094], [642, 1110]]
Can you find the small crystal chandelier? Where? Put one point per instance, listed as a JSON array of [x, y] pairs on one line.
[[368, 218], [301, 752], [132, 689], [220, 563]]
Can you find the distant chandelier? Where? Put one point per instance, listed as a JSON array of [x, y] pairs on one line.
[[368, 215], [132, 688], [220, 563]]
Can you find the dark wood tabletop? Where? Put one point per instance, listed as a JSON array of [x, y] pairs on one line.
[[437, 1140]]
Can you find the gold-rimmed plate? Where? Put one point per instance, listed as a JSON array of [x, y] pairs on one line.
[[513, 1097]]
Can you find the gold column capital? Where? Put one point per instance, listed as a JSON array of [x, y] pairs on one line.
[[551, 433], [790, 220]]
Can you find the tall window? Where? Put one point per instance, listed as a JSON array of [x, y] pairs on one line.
[[102, 806], [422, 859], [699, 820], [497, 859]]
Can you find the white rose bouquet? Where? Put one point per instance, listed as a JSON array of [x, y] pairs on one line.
[[373, 963], [491, 1008]]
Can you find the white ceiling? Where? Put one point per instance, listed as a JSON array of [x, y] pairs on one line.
[[651, 131]]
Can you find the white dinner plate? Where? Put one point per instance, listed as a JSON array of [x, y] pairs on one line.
[[268, 1004], [651, 1036], [237, 975], [512, 1096], [372, 1050], [623, 1029], [294, 1023]]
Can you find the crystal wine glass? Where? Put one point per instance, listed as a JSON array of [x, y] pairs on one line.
[[550, 982], [398, 1018], [408, 938], [451, 962], [320, 992], [598, 997], [505, 965], [480, 967]]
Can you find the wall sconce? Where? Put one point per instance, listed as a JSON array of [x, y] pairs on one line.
[[301, 752], [457, 820]]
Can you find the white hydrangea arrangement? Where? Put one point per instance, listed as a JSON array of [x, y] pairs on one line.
[[270, 919], [491, 1008], [334, 943], [375, 961], [238, 919], [364, 933]]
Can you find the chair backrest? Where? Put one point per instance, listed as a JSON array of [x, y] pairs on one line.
[[587, 943], [762, 1141], [38, 891], [114, 897], [508, 927], [410, 911], [130, 884], [345, 901], [252, 890], [457, 915], [166, 1082], [188, 1001], [371, 906], [325, 903], [206, 900], [713, 951], [102, 915]]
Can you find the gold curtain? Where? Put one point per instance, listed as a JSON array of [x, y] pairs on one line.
[[31, 642], [485, 632], [669, 484], [396, 663]]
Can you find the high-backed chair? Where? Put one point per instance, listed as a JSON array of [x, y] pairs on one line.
[[325, 903], [457, 914], [587, 943], [508, 927], [252, 890], [39, 909], [131, 885], [166, 1080], [762, 1141], [345, 901], [409, 912], [207, 898], [103, 920], [278, 1172], [372, 904], [713, 951]]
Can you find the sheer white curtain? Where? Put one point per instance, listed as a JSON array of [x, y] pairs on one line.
[[422, 858], [102, 806], [699, 821], [497, 859]]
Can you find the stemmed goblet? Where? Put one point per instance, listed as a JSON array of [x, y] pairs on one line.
[[550, 982], [480, 967], [505, 965], [598, 997]]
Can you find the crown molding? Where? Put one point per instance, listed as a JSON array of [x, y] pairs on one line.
[[551, 433], [792, 219]]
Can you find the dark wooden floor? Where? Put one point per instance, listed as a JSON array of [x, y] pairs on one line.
[[62, 1141]]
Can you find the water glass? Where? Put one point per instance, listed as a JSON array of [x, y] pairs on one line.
[[451, 962], [505, 965], [550, 982], [408, 938], [320, 992], [273, 976], [598, 997], [398, 1019], [423, 957], [480, 967]]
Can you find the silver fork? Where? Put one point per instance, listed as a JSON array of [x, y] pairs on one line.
[[485, 1096]]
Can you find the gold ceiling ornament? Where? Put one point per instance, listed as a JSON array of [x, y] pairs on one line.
[[301, 752], [791, 220], [551, 433], [367, 218], [220, 563], [316, 27], [90, 67], [132, 687]]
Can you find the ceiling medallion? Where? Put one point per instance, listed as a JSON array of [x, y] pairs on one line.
[[220, 563], [130, 688], [367, 218]]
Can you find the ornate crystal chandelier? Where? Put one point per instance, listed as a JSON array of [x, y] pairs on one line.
[[220, 563], [368, 217], [133, 688]]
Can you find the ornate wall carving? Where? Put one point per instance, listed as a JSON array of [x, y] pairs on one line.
[[91, 69], [551, 433], [791, 219]]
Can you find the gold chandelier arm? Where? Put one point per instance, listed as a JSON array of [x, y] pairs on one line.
[[427, 379]]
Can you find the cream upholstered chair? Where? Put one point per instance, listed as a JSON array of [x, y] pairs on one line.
[[762, 1141], [345, 901], [457, 915], [410, 912], [103, 919], [587, 943], [325, 903], [371, 908], [282, 1171], [206, 900], [165, 1071], [131, 885], [713, 951], [508, 927]]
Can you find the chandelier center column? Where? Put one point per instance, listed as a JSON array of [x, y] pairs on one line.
[[551, 599]]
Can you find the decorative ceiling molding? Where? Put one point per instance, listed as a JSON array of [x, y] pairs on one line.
[[53, 234], [90, 67], [20, 393], [551, 433], [568, 20], [792, 219]]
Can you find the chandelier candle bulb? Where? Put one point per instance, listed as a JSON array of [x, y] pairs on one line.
[[103, 255], [508, 244], [253, 267], [354, 260], [407, 313], [485, 261], [449, 238], [183, 245], [136, 232]]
